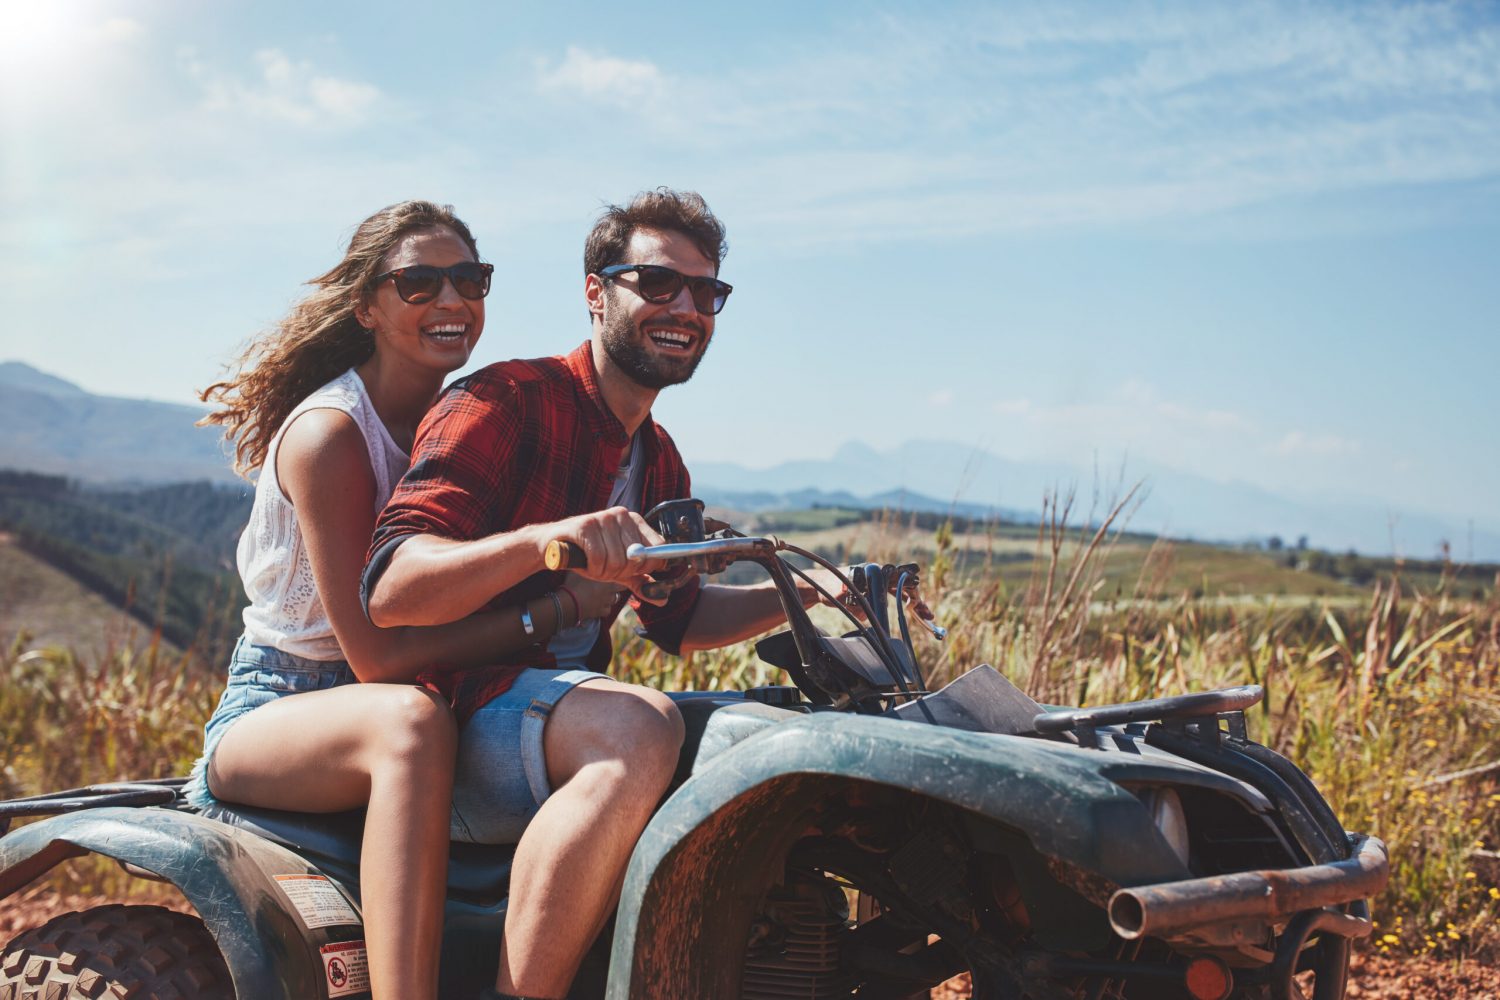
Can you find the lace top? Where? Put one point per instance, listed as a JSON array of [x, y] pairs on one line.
[[285, 611]]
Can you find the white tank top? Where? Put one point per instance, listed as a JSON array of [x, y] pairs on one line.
[[285, 611]]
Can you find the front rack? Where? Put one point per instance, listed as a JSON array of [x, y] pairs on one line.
[[1174, 712]]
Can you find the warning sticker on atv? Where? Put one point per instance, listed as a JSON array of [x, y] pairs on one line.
[[318, 901], [344, 965]]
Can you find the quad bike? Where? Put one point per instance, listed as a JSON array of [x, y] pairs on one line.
[[856, 835]]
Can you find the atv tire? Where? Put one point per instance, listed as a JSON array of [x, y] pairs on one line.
[[140, 952]]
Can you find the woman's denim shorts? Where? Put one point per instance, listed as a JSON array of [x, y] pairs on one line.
[[501, 776], [258, 675]]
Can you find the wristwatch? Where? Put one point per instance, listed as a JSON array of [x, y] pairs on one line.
[[527, 624]]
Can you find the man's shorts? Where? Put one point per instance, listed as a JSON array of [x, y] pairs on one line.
[[500, 780]]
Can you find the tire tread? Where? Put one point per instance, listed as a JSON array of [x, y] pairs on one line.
[[117, 951]]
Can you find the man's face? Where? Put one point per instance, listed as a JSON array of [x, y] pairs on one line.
[[656, 345]]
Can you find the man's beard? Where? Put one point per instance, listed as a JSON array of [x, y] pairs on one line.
[[627, 348]]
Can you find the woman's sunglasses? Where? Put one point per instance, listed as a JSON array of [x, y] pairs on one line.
[[658, 285], [422, 282]]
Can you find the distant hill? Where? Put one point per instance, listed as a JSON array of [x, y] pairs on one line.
[[50, 608], [163, 554], [50, 425], [929, 475]]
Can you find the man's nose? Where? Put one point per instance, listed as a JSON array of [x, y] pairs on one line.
[[682, 305]]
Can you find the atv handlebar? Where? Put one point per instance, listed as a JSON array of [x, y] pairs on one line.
[[736, 547], [864, 669]]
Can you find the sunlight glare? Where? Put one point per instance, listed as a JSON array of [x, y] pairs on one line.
[[38, 34]]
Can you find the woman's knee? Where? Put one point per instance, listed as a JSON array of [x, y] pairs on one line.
[[414, 726]]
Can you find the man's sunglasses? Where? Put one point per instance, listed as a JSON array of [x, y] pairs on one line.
[[422, 282], [658, 285]]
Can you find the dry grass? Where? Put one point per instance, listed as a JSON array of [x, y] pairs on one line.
[[1389, 703]]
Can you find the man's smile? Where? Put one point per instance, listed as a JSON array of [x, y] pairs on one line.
[[675, 339]]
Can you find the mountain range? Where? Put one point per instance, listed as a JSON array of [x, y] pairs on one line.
[[50, 425]]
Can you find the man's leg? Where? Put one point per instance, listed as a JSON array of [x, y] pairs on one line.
[[389, 746], [611, 750]]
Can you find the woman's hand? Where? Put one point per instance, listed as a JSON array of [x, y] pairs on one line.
[[595, 598]]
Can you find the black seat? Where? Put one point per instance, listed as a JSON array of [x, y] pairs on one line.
[[333, 840], [714, 722]]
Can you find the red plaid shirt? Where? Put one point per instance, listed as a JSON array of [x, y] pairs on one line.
[[518, 443]]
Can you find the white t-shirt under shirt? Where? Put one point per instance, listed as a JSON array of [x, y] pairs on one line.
[[571, 646]]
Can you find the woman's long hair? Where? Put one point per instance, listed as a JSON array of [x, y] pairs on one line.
[[319, 339]]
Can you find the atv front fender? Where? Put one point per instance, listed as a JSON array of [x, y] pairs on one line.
[[227, 874], [720, 839]]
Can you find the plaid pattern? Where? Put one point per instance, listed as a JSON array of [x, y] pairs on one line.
[[518, 443]]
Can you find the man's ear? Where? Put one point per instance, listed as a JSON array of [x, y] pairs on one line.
[[593, 295]]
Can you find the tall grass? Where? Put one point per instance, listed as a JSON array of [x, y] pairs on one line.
[[1390, 704], [68, 721]]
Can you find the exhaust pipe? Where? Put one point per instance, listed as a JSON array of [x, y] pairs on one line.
[[1272, 895]]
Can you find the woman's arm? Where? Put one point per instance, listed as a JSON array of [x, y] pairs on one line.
[[323, 467]]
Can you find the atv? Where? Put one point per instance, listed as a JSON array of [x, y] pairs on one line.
[[854, 834]]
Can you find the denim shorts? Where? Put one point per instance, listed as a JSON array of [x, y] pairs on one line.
[[258, 675], [501, 776]]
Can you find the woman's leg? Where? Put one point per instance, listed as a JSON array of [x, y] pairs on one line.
[[611, 750], [387, 746]]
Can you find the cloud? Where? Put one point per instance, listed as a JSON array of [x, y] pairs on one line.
[[942, 397], [973, 122], [288, 90], [621, 82], [1316, 445], [121, 30]]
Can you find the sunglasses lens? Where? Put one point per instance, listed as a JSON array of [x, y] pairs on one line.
[[709, 296], [418, 284], [472, 281], [658, 284]]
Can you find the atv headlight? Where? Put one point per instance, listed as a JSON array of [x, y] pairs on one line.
[[1165, 807]]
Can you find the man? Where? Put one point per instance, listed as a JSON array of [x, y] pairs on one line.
[[511, 458]]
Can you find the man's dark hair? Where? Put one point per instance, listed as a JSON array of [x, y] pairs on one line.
[[682, 212]]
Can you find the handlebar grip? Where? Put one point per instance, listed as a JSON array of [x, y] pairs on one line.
[[563, 554]]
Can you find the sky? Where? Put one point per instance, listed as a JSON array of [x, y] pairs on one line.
[[1252, 241]]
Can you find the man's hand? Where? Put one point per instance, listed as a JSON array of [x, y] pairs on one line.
[[604, 536], [843, 598]]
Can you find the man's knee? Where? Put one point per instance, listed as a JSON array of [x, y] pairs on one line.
[[637, 727]]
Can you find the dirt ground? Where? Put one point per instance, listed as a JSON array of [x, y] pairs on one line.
[[1374, 977]]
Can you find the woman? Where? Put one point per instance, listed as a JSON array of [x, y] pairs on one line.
[[326, 406]]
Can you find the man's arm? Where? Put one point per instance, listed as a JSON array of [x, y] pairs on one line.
[[431, 580], [435, 556], [726, 614]]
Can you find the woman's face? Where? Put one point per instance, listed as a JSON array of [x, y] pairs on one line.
[[437, 334]]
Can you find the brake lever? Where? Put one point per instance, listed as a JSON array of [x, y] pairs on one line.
[[938, 632]]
